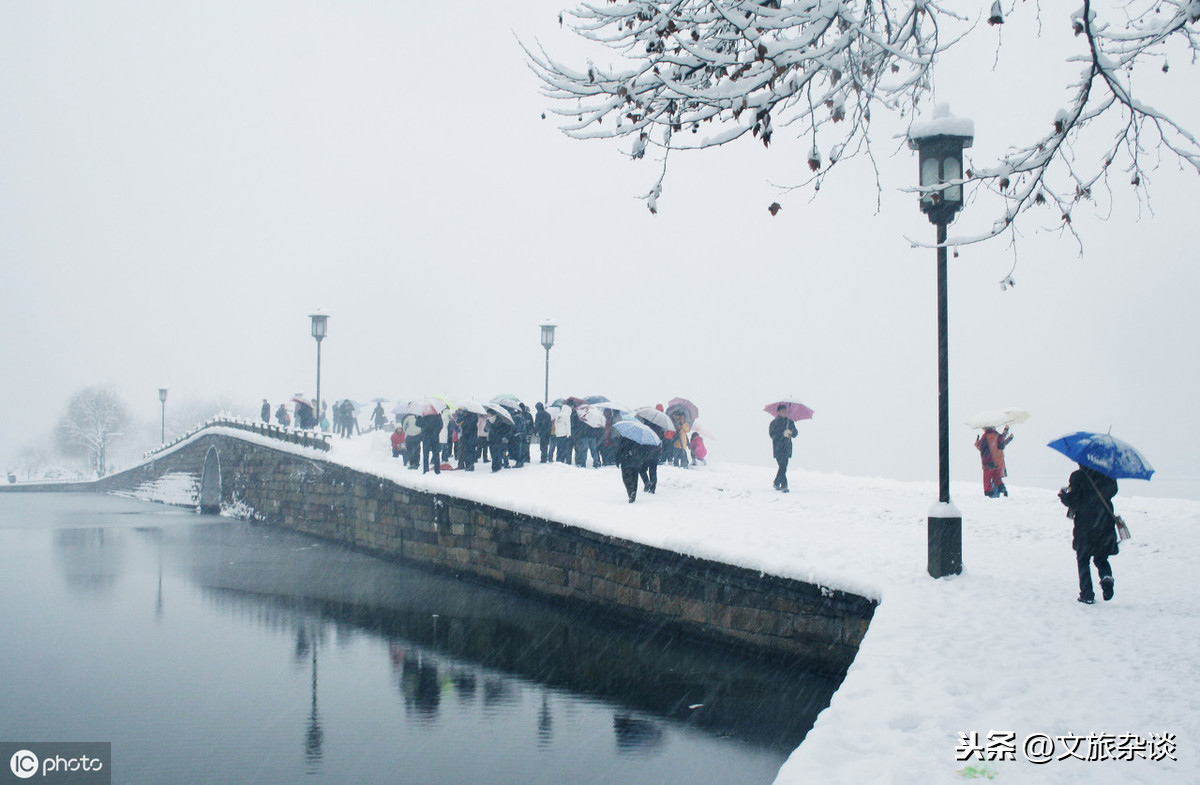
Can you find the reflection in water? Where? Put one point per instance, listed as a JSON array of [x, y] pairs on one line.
[[636, 735], [314, 735], [536, 693], [90, 559]]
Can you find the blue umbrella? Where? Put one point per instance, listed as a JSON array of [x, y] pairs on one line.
[[1105, 453], [637, 431]]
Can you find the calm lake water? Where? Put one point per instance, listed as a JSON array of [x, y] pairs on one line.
[[207, 650]]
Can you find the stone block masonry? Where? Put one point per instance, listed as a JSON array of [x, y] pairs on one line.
[[302, 490]]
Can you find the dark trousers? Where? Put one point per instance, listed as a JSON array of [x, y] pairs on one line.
[[629, 476], [781, 475], [563, 448], [649, 473], [499, 455], [430, 448], [546, 448], [1085, 573]]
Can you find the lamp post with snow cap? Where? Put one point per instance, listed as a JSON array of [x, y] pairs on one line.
[[319, 328], [939, 142], [162, 398], [547, 342]]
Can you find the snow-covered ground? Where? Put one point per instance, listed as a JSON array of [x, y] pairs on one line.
[[1002, 651]]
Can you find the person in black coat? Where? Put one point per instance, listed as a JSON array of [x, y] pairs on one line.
[[431, 430], [1088, 498], [265, 413], [543, 423], [636, 459], [782, 430], [468, 440], [498, 430]]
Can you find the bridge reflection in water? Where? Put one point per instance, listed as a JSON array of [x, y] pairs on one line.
[[170, 630]]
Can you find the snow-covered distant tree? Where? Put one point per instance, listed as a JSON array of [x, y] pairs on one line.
[[32, 461], [92, 419], [702, 73]]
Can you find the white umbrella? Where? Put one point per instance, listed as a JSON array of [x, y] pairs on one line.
[[499, 411], [616, 407], [655, 417], [471, 405], [997, 418], [591, 416]]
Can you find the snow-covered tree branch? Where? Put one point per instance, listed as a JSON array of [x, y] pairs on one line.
[[696, 74]]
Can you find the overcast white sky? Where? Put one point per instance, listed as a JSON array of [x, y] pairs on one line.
[[182, 183]]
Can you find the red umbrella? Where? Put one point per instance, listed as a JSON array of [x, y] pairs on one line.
[[795, 409]]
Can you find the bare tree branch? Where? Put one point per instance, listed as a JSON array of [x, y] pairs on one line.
[[695, 74]]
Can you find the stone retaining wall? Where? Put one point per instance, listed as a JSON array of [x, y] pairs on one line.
[[306, 492]]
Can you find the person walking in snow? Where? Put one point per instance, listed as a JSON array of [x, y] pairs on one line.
[[699, 451], [282, 417], [379, 417], [991, 454], [265, 413], [1088, 499], [635, 460], [782, 430]]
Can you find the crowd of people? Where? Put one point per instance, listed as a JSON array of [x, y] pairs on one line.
[[501, 435]]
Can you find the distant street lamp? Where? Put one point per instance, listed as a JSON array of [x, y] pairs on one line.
[[547, 342], [319, 328], [162, 398], [940, 142]]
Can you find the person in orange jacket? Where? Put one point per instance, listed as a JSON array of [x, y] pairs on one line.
[[991, 454]]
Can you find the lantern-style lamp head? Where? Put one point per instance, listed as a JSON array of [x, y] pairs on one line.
[[548, 335], [162, 394], [319, 324], [940, 142]]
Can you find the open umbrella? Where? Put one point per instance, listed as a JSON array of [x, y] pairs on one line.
[[654, 417], [591, 415], [998, 418], [636, 431], [613, 405], [508, 401], [471, 405], [795, 409], [688, 409], [596, 398], [425, 405], [499, 411], [1105, 453]]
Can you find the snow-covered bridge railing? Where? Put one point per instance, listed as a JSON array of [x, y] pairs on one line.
[[314, 439]]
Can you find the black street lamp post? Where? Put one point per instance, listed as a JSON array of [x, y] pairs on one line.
[[319, 328], [547, 342], [940, 143], [162, 398]]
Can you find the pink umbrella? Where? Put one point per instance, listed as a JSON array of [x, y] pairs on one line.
[[795, 409]]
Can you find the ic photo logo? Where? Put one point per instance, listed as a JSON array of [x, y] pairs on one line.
[[24, 764], [57, 763]]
